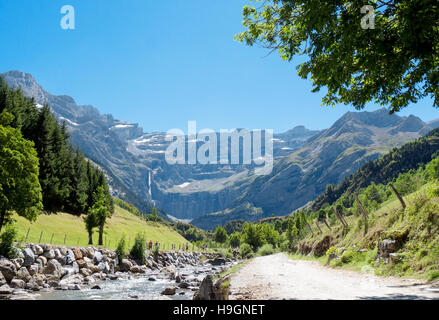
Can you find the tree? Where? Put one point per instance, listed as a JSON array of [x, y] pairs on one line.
[[91, 222], [154, 215], [235, 239], [392, 62], [100, 211], [220, 234], [20, 189], [251, 234]]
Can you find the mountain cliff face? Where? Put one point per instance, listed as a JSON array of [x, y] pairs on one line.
[[326, 158], [135, 160]]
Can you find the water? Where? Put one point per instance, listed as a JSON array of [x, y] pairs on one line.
[[136, 288]]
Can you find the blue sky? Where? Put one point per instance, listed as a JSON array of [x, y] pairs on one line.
[[162, 63]]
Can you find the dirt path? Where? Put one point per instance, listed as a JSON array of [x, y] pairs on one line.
[[278, 277]]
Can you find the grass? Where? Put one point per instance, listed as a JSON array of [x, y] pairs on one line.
[[416, 228], [54, 228]]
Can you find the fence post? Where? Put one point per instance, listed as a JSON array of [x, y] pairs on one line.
[[318, 227], [27, 234], [398, 196], [51, 238], [326, 223], [338, 215], [309, 228], [41, 235], [360, 206], [65, 237]]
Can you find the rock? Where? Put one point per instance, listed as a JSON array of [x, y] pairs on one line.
[[210, 291], [63, 250], [70, 257], [85, 272], [183, 285], [43, 260], [38, 250], [393, 257], [152, 279], [386, 247], [90, 252], [137, 269], [74, 287], [70, 270], [19, 262], [125, 265], [47, 247], [81, 263], [104, 267], [113, 277], [33, 269], [32, 285], [58, 254], [8, 269], [182, 293], [96, 287], [5, 289], [218, 261], [23, 274], [17, 284], [177, 278], [78, 253], [39, 279], [49, 254], [54, 268], [169, 291], [29, 257], [97, 257], [169, 272], [53, 283], [2, 280]]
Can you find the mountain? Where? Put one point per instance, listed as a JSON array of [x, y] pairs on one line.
[[305, 161], [326, 158], [134, 160]]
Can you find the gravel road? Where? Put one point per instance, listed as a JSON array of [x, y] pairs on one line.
[[279, 277]]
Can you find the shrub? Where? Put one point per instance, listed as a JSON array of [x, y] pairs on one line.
[[120, 251], [156, 253], [246, 251], [7, 242], [265, 250], [225, 253], [138, 250]]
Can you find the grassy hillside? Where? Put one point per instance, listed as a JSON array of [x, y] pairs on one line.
[[415, 229], [72, 227]]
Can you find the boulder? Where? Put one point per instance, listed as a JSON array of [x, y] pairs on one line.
[[2, 280], [5, 289], [47, 247], [125, 265], [29, 257], [85, 272], [386, 247], [104, 267], [50, 254], [169, 291], [17, 284], [137, 269], [37, 250], [32, 285], [81, 263], [218, 261], [97, 257], [23, 274], [183, 285], [53, 283], [58, 254], [39, 279], [70, 270], [90, 252], [63, 250], [210, 291], [96, 287], [8, 269], [78, 253], [70, 257], [54, 268], [43, 260], [33, 269]]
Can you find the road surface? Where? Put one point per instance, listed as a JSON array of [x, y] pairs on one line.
[[279, 277]]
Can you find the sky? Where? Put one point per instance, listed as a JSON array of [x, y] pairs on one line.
[[164, 63]]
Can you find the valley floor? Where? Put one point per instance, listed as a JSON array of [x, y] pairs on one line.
[[278, 277]]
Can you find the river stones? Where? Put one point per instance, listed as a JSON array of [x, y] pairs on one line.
[[125, 265], [169, 291], [17, 284], [54, 268], [8, 269], [29, 257], [2, 280]]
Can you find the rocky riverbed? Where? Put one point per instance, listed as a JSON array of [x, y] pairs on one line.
[[57, 272]]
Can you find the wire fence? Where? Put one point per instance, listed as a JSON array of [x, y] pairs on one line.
[[64, 239]]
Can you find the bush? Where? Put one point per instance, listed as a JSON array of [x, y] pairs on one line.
[[120, 251], [246, 251], [7, 242], [156, 252], [265, 250], [225, 253], [138, 250]]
